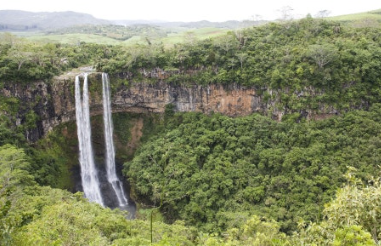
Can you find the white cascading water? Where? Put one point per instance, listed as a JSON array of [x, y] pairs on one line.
[[112, 178], [90, 181]]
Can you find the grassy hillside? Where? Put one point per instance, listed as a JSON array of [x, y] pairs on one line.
[[118, 35], [72, 38], [196, 34], [117, 32], [364, 19]]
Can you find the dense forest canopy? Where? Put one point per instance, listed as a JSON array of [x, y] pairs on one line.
[[212, 179], [208, 169]]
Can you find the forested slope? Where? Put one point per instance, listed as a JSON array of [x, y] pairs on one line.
[[215, 171]]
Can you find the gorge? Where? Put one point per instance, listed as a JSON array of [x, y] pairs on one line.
[[54, 104]]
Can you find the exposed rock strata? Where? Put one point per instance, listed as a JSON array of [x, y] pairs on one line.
[[54, 102]]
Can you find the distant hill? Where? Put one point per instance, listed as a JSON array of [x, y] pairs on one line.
[[17, 20], [232, 24]]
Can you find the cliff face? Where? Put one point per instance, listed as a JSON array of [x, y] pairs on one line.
[[238, 101], [54, 102]]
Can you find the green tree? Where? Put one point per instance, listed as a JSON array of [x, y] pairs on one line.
[[14, 176]]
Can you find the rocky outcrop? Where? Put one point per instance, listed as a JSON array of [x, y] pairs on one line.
[[54, 103]]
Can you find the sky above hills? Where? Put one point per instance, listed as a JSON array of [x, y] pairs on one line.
[[194, 10]]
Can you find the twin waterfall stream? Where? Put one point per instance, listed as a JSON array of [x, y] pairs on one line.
[[89, 174]]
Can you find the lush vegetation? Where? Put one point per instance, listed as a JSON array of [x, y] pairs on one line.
[[31, 214], [215, 180], [243, 181], [22, 61], [214, 171], [308, 61]]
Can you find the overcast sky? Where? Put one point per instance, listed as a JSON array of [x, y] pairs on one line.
[[192, 10]]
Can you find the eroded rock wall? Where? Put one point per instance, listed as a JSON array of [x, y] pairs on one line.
[[54, 101]]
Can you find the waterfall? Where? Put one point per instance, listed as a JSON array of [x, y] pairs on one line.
[[112, 178], [90, 181]]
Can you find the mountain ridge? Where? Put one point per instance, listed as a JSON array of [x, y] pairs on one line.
[[19, 20]]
